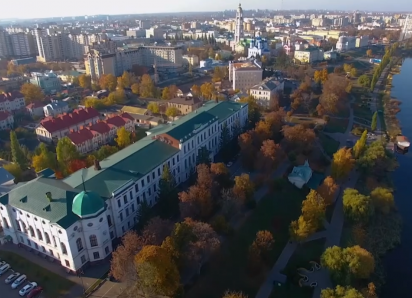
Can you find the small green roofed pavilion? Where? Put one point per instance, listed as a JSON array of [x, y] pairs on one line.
[[88, 204], [300, 175]]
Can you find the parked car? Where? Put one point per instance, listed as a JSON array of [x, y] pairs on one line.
[[229, 164], [12, 277], [36, 291], [27, 289], [18, 281], [4, 268]]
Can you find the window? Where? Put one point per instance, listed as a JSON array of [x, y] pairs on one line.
[[148, 179], [132, 208], [119, 204], [83, 259], [28, 242], [93, 240], [31, 231], [142, 183], [150, 191], [127, 212], [153, 175], [123, 230], [136, 187], [121, 216], [51, 252], [125, 199], [67, 263], [79, 244], [106, 250], [101, 219], [131, 195], [63, 247], [158, 172], [46, 235], [39, 235], [96, 255], [43, 248], [90, 224], [109, 220], [111, 235], [177, 158]]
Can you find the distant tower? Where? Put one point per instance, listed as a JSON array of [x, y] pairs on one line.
[[239, 24]]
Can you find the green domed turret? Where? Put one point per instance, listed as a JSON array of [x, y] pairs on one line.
[[87, 203]]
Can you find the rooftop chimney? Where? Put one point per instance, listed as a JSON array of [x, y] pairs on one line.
[[49, 196], [97, 166]]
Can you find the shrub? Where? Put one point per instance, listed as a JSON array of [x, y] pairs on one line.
[[221, 226]]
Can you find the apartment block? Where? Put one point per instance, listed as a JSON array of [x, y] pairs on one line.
[[245, 75]]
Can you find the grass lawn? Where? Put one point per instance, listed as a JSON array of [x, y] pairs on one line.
[[227, 269], [329, 145], [336, 125], [309, 251], [53, 284]]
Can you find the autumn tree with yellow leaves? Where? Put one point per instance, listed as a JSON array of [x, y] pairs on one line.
[[342, 163]]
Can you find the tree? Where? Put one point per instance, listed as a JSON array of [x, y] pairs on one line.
[[157, 273], [31, 93], [167, 196], [327, 190], [353, 72], [135, 88], [269, 157], [196, 90], [376, 159], [196, 202], [173, 91], [85, 81], [247, 149], [317, 76], [342, 163], [123, 137], [244, 188], [369, 53], [364, 81], [263, 244], [177, 244], [340, 292], [313, 209], [172, 112], [324, 75], [360, 145], [224, 143], [15, 170], [44, 160], [253, 110], [157, 230], [347, 67], [382, 199], [374, 121], [126, 79], [105, 151], [207, 90], [108, 82], [366, 262], [300, 229], [153, 107], [221, 174], [76, 165], [203, 156], [17, 153], [95, 103], [356, 206], [66, 152], [165, 93], [299, 137], [147, 87], [230, 294]]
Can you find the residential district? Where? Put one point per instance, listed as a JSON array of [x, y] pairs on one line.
[[244, 153]]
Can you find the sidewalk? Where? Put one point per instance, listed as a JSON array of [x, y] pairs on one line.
[[91, 274]]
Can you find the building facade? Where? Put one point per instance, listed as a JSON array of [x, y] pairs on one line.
[[245, 75], [309, 55], [48, 82], [6, 120], [55, 108], [11, 101], [75, 220], [264, 91]]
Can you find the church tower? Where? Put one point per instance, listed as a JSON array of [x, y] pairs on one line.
[[239, 25]]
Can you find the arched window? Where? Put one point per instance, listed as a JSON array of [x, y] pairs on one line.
[[79, 244], [109, 220], [39, 234], [24, 227], [93, 240], [18, 225], [6, 223], [46, 235], [31, 231], [63, 247]]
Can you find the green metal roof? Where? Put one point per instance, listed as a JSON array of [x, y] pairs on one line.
[[87, 203], [131, 163], [31, 197], [225, 109], [179, 131]]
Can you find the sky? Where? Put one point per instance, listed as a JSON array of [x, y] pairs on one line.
[[50, 8]]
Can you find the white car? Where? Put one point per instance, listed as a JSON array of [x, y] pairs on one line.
[[12, 277], [18, 281], [4, 268], [229, 164], [27, 288]]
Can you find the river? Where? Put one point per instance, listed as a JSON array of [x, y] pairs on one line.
[[398, 262]]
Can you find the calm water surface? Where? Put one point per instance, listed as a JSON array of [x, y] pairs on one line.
[[398, 263]]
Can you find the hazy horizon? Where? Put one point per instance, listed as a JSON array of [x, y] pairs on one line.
[[47, 8]]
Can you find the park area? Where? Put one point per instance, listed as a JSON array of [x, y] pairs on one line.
[[54, 285], [228, 268], [329, 144], [336, 125]]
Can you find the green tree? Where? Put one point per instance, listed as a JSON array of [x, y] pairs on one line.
[[153, 107], [172, 112], [85, 81], [254, 110], [157, 273], [360, 145], [356, 206], [44, 160], [374, 121], [177, 243], [364, 81], [105, 151], [203, 156], [31, 93], [17, 153], [382, 199], [376, 159], [340, 292], [224, 143], [167, 196], [144, 214], [66, 152], [123, 138], [354, 72]]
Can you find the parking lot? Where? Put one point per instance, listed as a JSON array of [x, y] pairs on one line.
[[6, 290]]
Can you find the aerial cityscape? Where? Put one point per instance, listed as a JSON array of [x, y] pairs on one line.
[[214, 150]]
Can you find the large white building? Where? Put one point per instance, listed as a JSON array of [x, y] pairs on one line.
[[11, 101], [346, 43], [75, 220], [264, 91]]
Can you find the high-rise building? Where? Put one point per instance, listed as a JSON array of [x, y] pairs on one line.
[[6, 48], [239, 24], [23, 44]]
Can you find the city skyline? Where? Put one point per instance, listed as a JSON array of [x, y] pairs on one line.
[[47, 8]]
